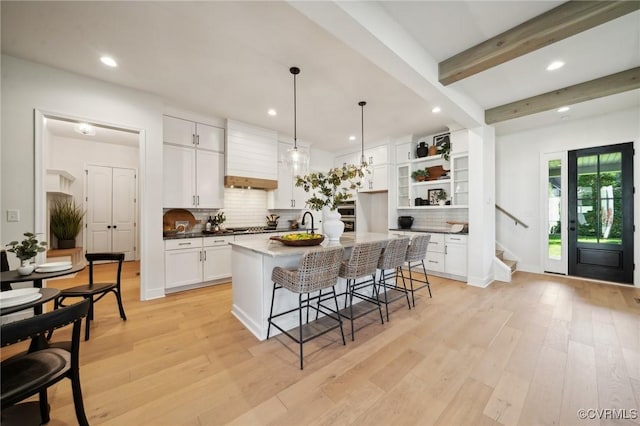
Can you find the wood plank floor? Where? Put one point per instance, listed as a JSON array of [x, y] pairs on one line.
[[533, 351]]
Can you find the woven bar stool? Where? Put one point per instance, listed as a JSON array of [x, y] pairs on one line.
[[316, 271], [361, 264], [416, 253], [392, 258]]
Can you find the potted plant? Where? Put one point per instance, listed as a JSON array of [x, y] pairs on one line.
[[218, 220], [420, 175], [328, 191], [26, 250], [442, 197], [66, 222]]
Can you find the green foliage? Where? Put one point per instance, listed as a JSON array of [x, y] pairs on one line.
[[420, 174], [330, 189], [28, 248], [219, 219], [442, 195], [66, 219], [592, 225]]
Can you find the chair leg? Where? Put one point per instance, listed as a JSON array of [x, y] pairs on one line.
[[300, 328], [88, 319], [404, 285], [377, 296], [120, 306], [335, 298], [44, 407], [350, 286], [273, 297], [413, 298], [426, 278], [383, 281], [77, 399]]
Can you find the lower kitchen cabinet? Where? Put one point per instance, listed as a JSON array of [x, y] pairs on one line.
[[455, 255], [191, 261], [446, 254]]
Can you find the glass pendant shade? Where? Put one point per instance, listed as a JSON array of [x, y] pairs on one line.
[[297, 157]]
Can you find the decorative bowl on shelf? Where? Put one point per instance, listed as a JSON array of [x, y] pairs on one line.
[[300, 239]]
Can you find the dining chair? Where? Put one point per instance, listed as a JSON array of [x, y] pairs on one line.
[[95, 291], [31, 373], [4, 266]]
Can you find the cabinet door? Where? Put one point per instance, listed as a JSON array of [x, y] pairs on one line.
[[179, 179], [209, 137], [217, 263], [380, 181], [405, 152], [210, 179], [377, 155], [434, 262], [404, 197], [283, 197], [455, 259], [178, 131], [460, 180], [182, 267]]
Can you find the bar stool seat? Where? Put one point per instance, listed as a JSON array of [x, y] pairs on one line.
[[392, 258], [416, 253], [362, 263], [317, 271]]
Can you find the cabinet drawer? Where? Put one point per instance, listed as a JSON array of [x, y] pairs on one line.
[[456, 239], [183, 243], [434, 262], [216, 241], [436, 243]]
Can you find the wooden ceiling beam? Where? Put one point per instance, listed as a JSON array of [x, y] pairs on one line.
[[564, 21], [603, 86]]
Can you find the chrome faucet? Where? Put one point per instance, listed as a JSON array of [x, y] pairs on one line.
[[312, 227]]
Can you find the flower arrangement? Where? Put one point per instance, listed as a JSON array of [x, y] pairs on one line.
[[28, 248], [219, 219], [332, 188]]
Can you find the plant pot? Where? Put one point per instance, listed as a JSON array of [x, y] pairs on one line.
[[66, 244], [433, 150], [26, 268], [332, 226]]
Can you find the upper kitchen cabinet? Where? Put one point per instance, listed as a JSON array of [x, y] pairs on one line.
[[377, 179], [288, 195], [177, 131], [251, 156], [343, 160], [193, 165]]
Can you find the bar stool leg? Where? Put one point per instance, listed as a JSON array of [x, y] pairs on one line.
[[383, 282], [351, 285], [300, 327], [426, 278], [335, 299], [273, 297], [413, 298], [377, 297], [404, 285]]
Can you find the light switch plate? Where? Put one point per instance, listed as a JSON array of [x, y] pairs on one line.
[[13, 215]]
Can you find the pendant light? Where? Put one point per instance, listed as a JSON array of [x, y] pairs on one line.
[[297, 159], [363, 159]]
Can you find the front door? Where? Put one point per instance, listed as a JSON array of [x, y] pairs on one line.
[[601, 213]]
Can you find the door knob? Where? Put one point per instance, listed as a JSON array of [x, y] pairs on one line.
[[115, 226], [572, 229], [108, 226]]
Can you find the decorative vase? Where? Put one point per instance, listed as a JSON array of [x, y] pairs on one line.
[[433, 150], [422, 150], [26, 267], [332, 226], [66, 244]]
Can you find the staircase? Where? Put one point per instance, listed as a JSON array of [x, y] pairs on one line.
[[506, 267]]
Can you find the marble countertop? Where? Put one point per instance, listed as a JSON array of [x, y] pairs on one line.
[[228, 233], [443, 230], [276, 249]]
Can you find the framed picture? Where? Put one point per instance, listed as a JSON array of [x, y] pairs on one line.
[[432, 196]]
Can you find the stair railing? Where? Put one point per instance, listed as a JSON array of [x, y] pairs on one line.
[[518, 221]]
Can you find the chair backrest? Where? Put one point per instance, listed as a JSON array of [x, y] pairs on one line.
[[32, 327], [394, 253], [418, 248], [4, 266], [319, 269], [364, 259], [100, 257]]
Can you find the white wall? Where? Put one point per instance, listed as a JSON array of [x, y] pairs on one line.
[[27, 86], [518, 176]]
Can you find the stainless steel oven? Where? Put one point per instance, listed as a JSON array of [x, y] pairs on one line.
[[348, 212]]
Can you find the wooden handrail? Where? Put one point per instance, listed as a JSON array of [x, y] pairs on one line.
[[518, 221]]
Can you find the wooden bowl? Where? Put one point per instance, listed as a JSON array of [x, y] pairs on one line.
[[299, 243]]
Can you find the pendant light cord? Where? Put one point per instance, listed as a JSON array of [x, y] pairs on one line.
[[295, 71], [362, 104]]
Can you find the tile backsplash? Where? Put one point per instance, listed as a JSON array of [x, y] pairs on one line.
[[435, 218]]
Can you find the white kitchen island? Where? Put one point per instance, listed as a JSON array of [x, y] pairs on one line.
[[252, 263]]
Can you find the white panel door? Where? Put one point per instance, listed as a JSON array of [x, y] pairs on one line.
[[178, 131], [210, 177], [179, 179], [124, 212], [99, 188], [209, 137]]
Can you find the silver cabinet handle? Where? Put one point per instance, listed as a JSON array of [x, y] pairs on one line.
[[193, 198], [205, 256], [408, 155], [218, 241], [197, 200], [445, 249], [197, 139], [433, 261], [193, 139], [200, 256], [455, 239], [184, 244], [370, 160]]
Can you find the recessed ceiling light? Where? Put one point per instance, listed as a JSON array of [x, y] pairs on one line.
[[85, 129], [109, 61], [352, 138], [564, 109], [436, 110], [272, 112], [555, 65]]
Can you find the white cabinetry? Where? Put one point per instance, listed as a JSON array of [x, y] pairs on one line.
[[405, 152], [191, 261], [251, 152], [446, 254], [455, 255], [378, 164], [288, 195], [193, 164]]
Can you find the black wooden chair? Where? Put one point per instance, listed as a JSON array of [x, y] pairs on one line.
[[4, 266], [96, 291], [31, 373]]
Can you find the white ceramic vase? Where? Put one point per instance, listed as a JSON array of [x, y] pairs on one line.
[[332, 226], [26, 267]]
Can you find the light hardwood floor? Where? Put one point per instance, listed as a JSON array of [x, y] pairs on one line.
[[533, 351]]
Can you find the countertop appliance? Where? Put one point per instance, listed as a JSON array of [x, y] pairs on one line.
[[347, 211], [405, 222]]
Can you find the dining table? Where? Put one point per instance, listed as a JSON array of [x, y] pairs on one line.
[[10, 277]]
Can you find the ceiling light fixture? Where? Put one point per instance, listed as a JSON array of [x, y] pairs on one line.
[[352, 138], [109, 61], [563, 109], [298, 160], [272, 112], [436, 110], [555, 65], [363, 160], [84, 129]]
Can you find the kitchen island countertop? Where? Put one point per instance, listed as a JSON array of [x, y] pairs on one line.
[[442, 230]]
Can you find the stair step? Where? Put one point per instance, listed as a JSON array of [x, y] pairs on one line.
[[500, 254], [511, 264]]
